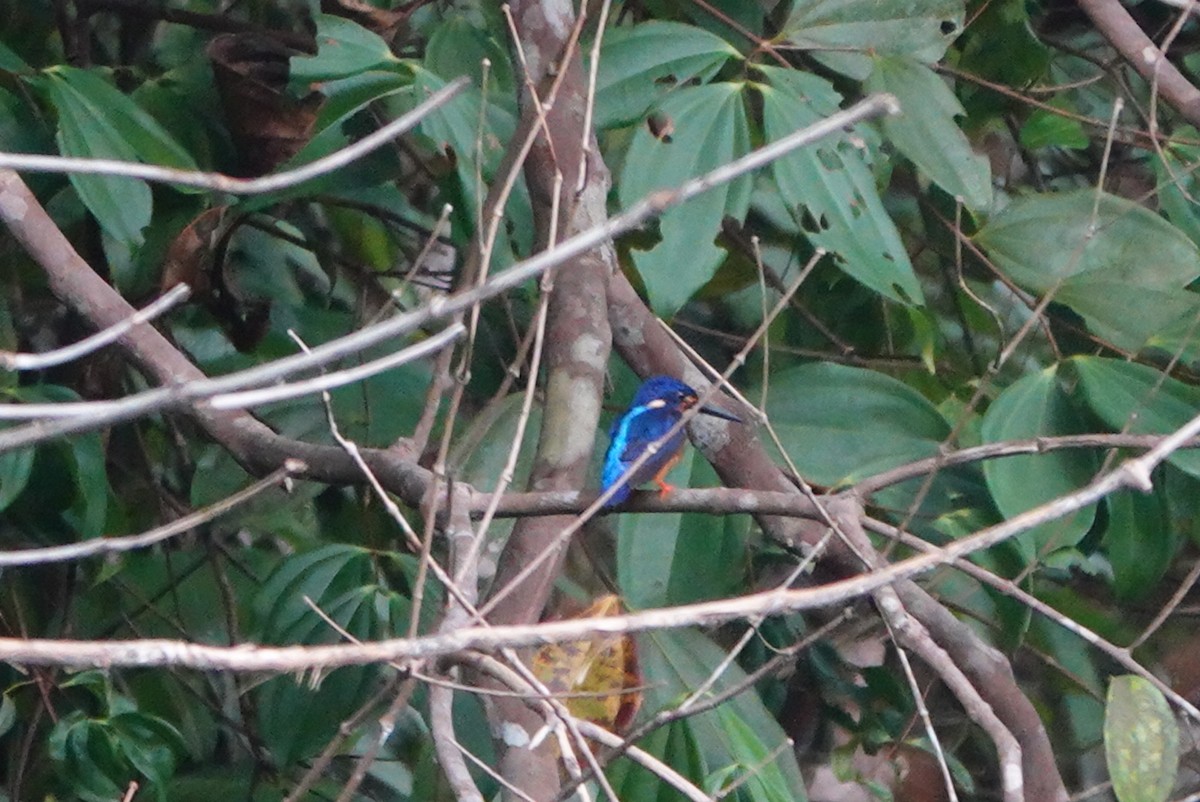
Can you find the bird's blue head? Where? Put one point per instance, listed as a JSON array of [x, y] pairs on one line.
[[676, 395]]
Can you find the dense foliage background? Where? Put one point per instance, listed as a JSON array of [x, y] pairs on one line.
[[997, 308]]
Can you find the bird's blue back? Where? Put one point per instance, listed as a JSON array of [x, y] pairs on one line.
[[638, 427]]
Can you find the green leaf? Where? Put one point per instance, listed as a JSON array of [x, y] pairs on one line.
[[122, 206], [15, 469], [296, 720], [150, 745], [832, 182], [1138, 399], [459, 45], [149, 140], [675, 663], [1001, 44], [710, 130], [1141, 741], [8, 714], [679, 558], [1045, 129], [86, 462], [925, 130], [1107, 306], [674, 744], [1102, 265], [11, 62], [346, 96], [1036, 406], [841, 424], [1140, 542], [1039, 240], [833, 29], [1177, 185], [343, 48], [452, 130], [640, 63], [756, 768], [314, 574]]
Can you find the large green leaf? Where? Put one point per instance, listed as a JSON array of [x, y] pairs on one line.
[[679, 558], [1031, 407], [1131, 316], [122, 206], [844, 33], [841, 424], [756, 770], [640, 63], [833, 185], [674, 744], [297, 720], [925, 130], [453, 129], [1141, 741], [1138, 399], [675, 663], [710, 130], [1103, 260], [1140, 542], [343, 48]]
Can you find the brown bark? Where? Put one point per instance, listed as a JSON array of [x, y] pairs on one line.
[[576, 354]]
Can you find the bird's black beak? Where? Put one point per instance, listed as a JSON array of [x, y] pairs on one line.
[[717, 412]]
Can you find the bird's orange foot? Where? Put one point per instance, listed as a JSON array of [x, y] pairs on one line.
[[664, 488]]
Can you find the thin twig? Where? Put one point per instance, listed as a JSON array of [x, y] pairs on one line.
[[69, 353], [114, 545], [224, 183], [654, 204]]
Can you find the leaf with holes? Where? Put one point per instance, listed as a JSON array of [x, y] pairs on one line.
[[829, 186], [639, 64], [710, 130], [835, 29]]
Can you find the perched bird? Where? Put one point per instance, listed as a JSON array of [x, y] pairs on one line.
[[658, 405]]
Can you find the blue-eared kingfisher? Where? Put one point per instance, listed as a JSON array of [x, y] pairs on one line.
[[657, 406]]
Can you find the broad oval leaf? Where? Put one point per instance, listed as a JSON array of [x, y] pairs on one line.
[[1139, 399], [1141, 741], [841, 424], [832, 182], [835, 29], [1035, 406], [710, 130], [640, 63], [925, 130], [1100, 258]]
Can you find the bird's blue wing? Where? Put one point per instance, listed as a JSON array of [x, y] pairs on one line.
[[630, 435]]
